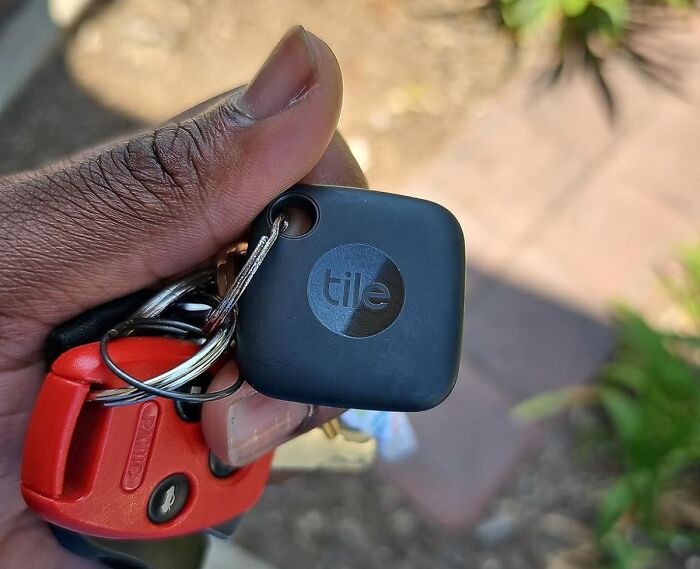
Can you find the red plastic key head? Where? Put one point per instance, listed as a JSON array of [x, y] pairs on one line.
[[134, 472]]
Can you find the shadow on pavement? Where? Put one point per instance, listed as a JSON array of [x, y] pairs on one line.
[[52, 117]]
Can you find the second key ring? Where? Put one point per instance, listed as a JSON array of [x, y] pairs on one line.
[[167, 383], [218, 332]]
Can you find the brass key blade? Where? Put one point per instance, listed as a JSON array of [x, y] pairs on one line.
[[330, 447], [332, 428]]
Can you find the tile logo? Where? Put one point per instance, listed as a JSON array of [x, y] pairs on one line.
[[355, 290]]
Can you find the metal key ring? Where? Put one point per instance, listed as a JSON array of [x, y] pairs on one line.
[[159, 324], [171, 379], [223, 312], [165, 384], [146, 317], [218, 330], [167, 297]]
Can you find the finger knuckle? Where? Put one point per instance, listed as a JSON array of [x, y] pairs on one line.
[[160, 170], [180, 152]]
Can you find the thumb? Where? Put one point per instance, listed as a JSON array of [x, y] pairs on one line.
[[77, 235]]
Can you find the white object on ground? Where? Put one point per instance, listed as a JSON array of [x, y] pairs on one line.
[[395, 436]]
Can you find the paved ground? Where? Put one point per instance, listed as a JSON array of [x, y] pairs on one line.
[[562, 212]]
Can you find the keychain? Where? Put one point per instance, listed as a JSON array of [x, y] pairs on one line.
[[360, 306], [345, 298], [109, 459]]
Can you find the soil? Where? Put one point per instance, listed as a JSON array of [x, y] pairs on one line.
[[542, 520], [353, 522]]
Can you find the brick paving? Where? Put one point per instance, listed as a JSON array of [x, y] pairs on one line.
[[471, 444], [564, 212]]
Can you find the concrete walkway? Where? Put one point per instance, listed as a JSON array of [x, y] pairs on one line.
[[563, 212]]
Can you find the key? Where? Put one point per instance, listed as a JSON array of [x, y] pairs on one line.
[[359, 304], [331, 447], [135, 472], [228, 265]]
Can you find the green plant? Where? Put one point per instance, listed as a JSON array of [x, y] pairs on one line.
[[650, 397], [587, 32], [575, 19], [685, 287]]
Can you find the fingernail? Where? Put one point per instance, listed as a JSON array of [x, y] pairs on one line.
[[287, 75], [257, 424]]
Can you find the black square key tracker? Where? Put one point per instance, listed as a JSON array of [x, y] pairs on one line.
[[359, 303]]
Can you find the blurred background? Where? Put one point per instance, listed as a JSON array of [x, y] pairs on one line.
[[565, 135]]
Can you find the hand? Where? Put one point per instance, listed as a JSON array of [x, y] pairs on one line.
[[125, 216]]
